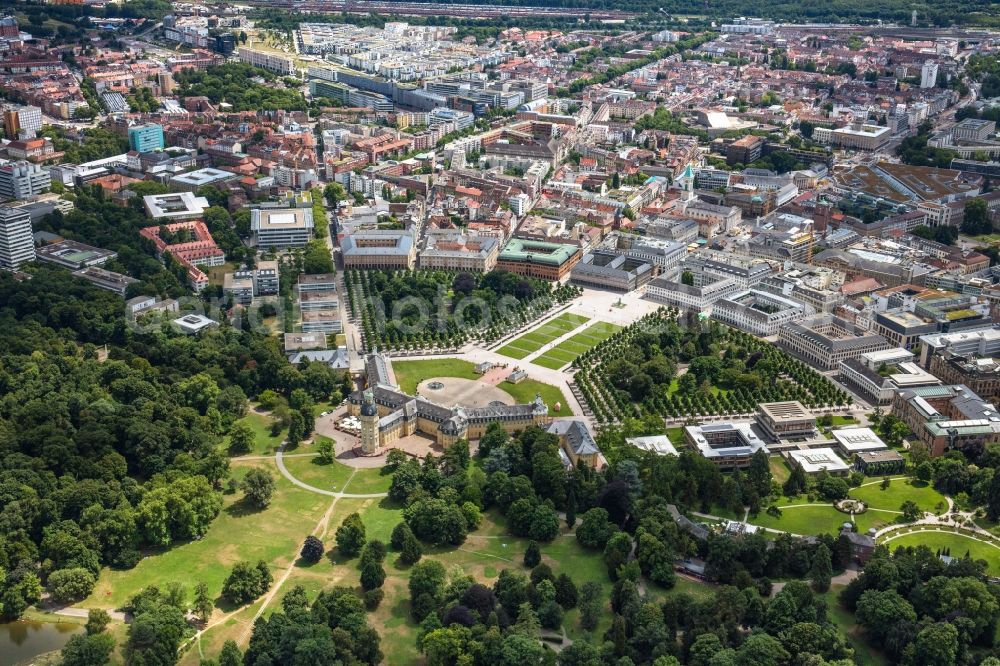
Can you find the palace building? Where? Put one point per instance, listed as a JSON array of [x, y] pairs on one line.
[[388, 414]]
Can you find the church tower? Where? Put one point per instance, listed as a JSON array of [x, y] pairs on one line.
[[369, 425]]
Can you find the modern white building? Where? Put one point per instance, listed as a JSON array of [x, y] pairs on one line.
[[814, 461], [658, 444], [728, 445], [928, 74], [193, 324], [859, 136], [748, 26], [852, 441], [17, 246], [175, 206], [877, 375], [980, 343], [281, 227], [20, 180]]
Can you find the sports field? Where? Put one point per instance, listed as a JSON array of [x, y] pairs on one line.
[[566, 351], [534, 340]]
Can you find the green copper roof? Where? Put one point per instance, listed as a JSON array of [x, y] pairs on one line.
[[538, 252]]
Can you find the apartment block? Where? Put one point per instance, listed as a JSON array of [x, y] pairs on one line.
[[20, 180], [267, 60], [17, 246]]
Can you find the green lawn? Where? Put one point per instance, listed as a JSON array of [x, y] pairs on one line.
[[333, 476], [536, 339], [566, 351], [526, 390], [238, 533], [265, 443], [993, 527], [958, 543], [900, 491], [674, 387], [883, 507], [779, 469], [841, 420], [989, 239], [676, 437], [410, 373], [804, 520]]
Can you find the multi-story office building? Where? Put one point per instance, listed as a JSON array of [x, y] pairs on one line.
[[239, 286], [20, 180], [458, 252], [748, 26], [876, 376], [823, 341], [980, 343], [379, 249], [757, 312], [17, 246], [246, 284], [974, 129], [744, 150], [728, 445], [902, 328], [22, 122], [603, 269], [786, 420], [281, 227], [538, 259], [461, 119], [319, 303], [858, 136], [697, 297], [947, 417], [146, 138], [266, 279]]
